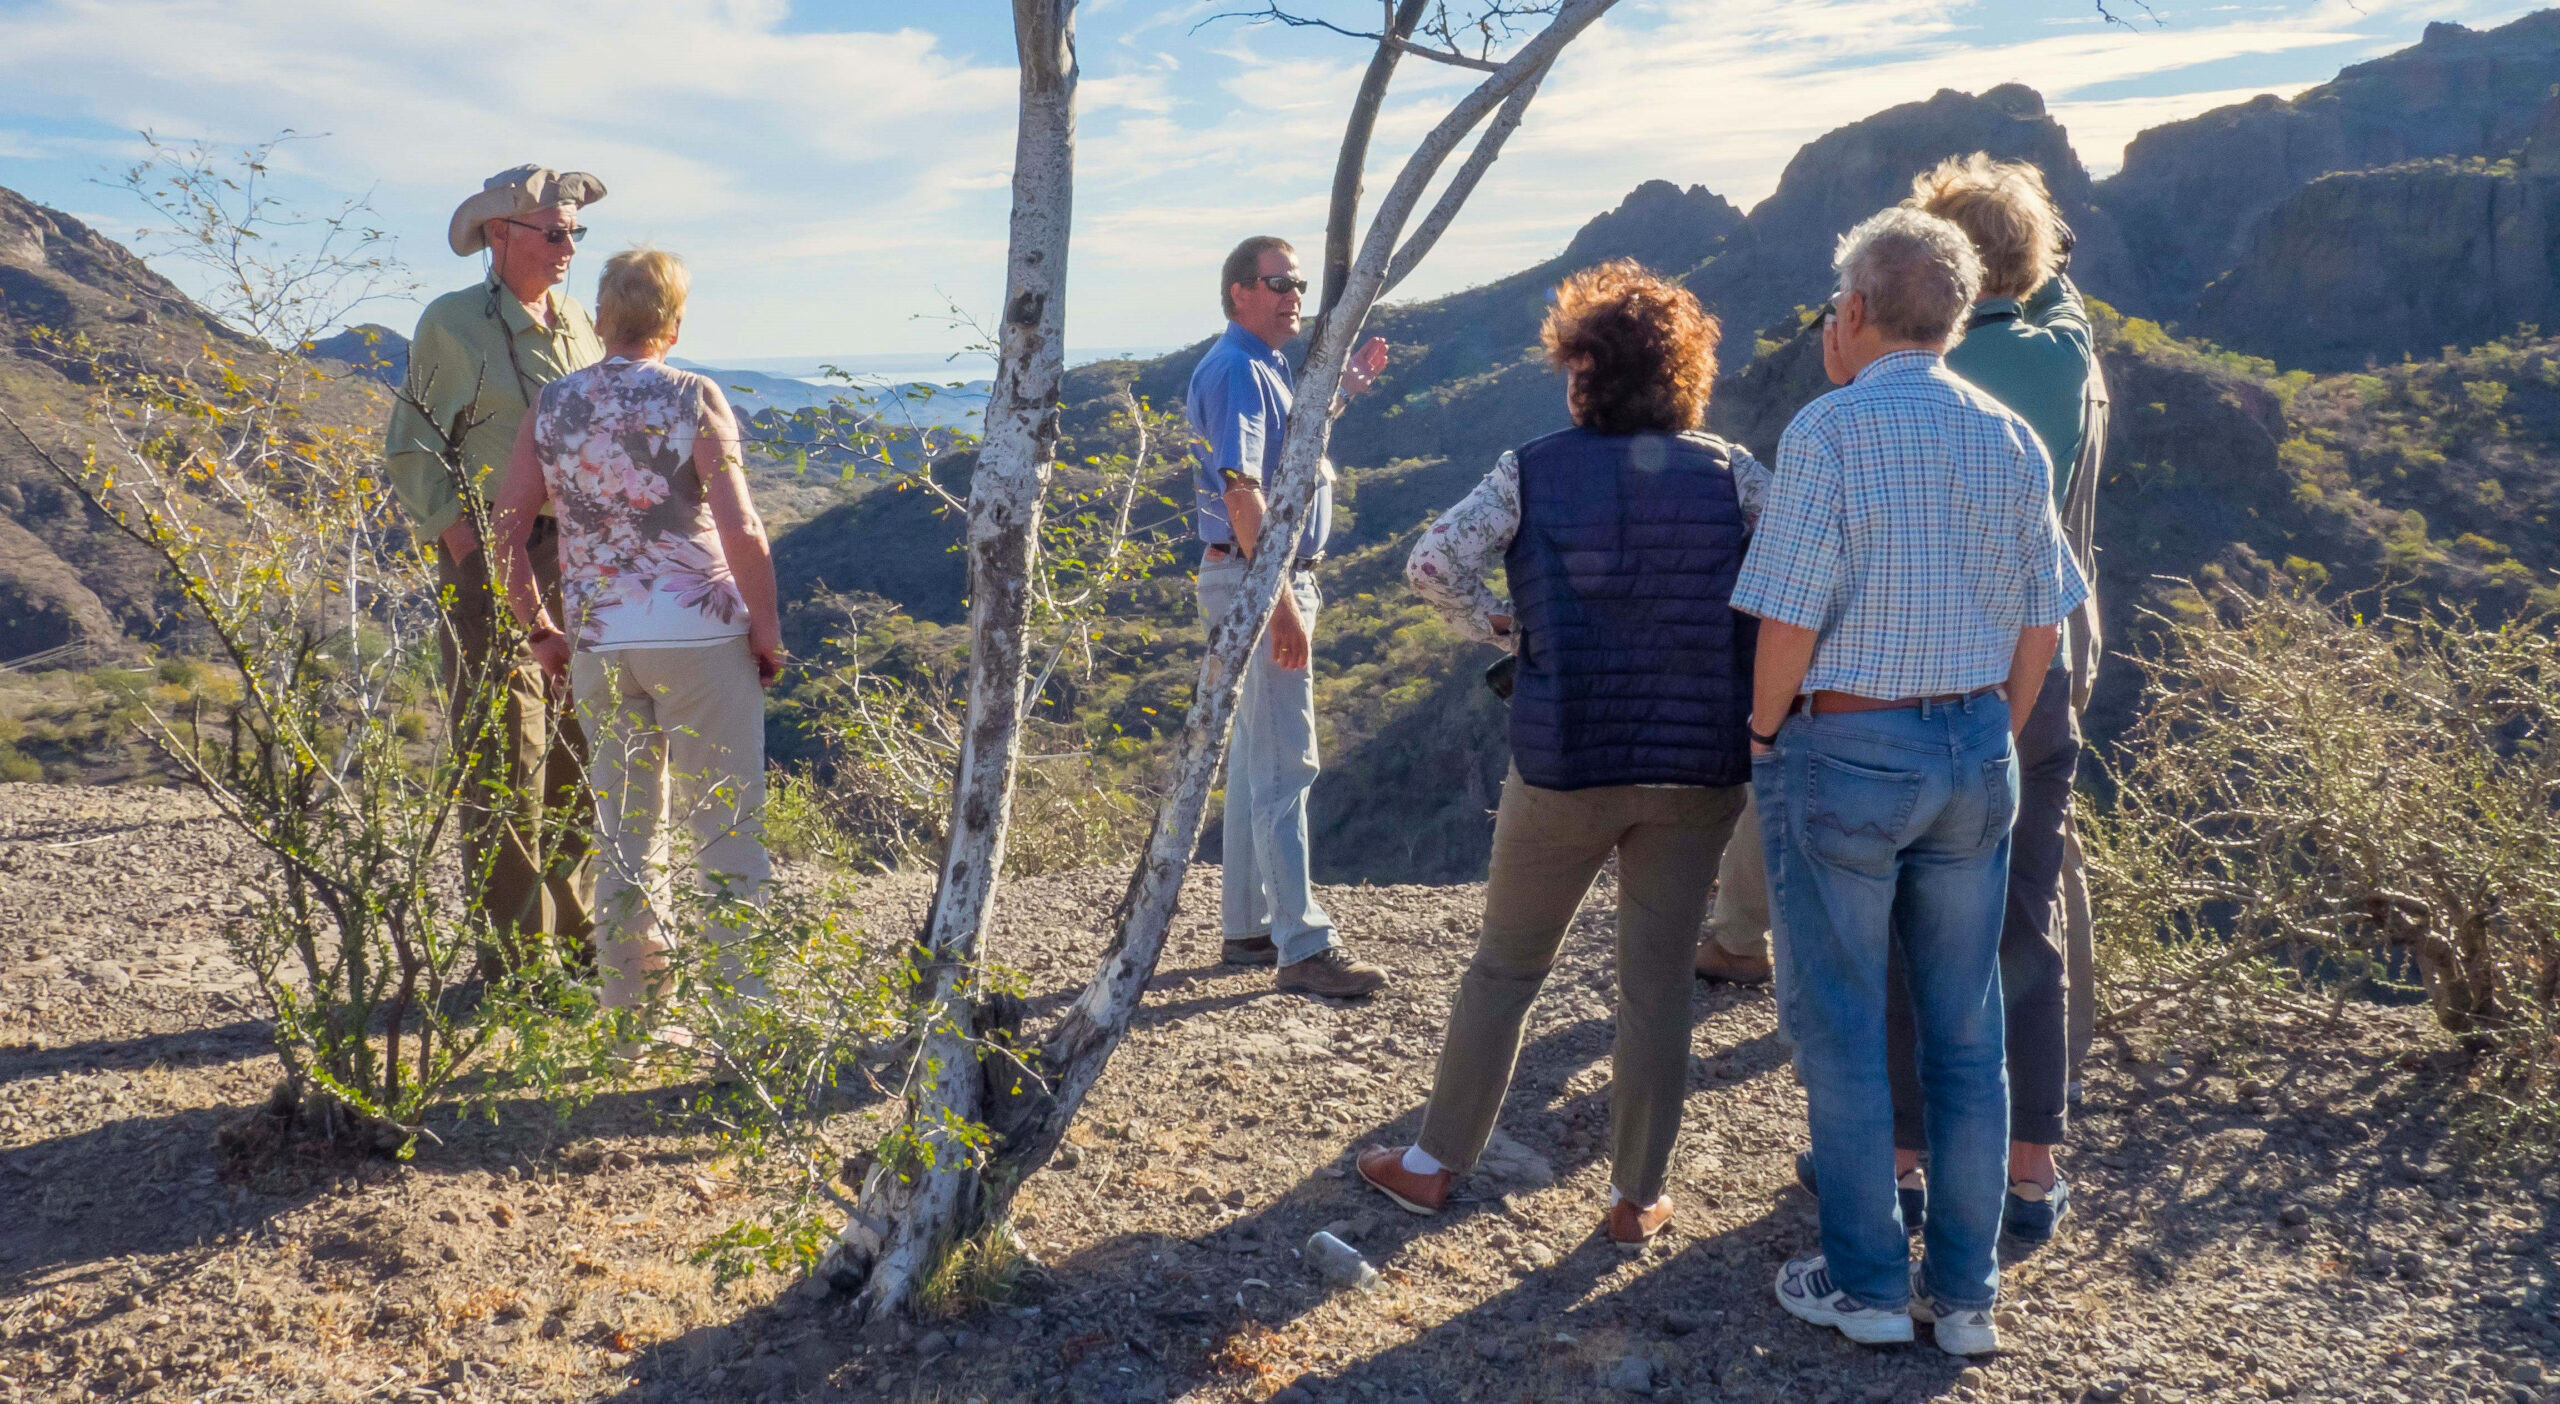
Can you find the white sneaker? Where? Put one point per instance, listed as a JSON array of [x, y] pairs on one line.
[[1806, 1291], [1960, 1330]]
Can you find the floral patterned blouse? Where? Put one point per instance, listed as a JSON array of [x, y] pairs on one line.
[[1452, 561], [640, 558]]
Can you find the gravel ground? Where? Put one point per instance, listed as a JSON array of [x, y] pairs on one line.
[[2285, 1220]]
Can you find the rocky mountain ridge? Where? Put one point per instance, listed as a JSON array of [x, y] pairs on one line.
[[2190, 192]]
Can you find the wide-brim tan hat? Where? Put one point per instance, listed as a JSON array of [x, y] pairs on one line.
[[511, 194]]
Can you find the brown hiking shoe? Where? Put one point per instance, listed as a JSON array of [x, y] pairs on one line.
[[1630, 1225], [1383, 1168], [1331, 974], [1248, 950], [1717, 963]]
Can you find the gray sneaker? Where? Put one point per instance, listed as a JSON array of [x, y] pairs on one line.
[[1806, 1291], [1331, 974], [1960, 1330]]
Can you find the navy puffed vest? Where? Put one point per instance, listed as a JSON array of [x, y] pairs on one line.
[[1634, 668]]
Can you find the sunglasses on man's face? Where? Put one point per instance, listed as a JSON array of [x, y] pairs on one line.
[[1282, 283], [566, 234]]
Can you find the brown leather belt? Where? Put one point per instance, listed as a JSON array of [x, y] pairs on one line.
[[1825, 703]]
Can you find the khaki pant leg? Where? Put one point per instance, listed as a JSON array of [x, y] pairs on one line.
[[1740, 923], [568, 806], [1663, 865], [710, 705], [629, 765], [489, 704], [1547, 847]]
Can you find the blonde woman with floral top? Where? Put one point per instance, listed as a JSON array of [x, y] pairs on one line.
[[673, 629]]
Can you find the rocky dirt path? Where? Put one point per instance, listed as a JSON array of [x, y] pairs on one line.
[[2281, 1221]]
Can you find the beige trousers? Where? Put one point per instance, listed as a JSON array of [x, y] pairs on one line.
[[1547, 847], [674, 734]]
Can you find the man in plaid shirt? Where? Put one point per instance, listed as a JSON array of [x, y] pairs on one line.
[[1909, 573]]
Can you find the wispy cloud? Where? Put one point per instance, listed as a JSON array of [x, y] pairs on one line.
[[826, 184]]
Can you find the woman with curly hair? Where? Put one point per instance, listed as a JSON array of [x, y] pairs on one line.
[[1621, 538]]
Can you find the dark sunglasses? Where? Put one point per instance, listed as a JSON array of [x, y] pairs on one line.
[[568, 235], [1282, 283]]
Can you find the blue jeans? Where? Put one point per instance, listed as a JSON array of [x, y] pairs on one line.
[[1883, 828], [1271, 763]]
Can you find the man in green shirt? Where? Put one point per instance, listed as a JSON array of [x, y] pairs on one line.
[[480, 357]]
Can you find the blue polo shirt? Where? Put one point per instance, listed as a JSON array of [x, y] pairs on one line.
[[1239, 405]]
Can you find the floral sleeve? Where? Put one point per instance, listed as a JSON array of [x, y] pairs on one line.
[[1750, 483], [1453, 559]]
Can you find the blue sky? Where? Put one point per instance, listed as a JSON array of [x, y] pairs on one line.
[[836, 171]]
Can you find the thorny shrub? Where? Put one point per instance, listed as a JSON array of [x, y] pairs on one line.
[[2314, 799]]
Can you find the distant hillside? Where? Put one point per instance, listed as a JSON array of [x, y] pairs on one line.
[[65, 578]]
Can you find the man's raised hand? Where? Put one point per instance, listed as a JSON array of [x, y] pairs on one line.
[[1366, 365]]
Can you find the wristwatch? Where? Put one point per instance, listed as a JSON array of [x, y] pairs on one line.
[[1769, 740]]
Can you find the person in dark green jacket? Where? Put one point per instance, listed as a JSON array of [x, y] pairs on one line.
[[2028, 343]]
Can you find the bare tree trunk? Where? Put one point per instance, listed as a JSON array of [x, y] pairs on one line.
[[1031, 1118], [905, 1221], [1342, 216]]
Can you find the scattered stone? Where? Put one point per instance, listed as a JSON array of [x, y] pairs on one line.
[[1541, 1255], [1680, 1323], [1339, 1264], [932, 1344], [1514, 1165], [1633, 1374], [2294, 1216]]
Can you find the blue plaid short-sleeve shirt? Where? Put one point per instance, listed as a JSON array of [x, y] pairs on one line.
[[1910, 524]]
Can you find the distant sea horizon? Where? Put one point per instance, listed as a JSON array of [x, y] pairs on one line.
[[906, 367]]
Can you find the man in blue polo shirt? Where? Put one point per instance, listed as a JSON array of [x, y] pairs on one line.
[[1239, 405]]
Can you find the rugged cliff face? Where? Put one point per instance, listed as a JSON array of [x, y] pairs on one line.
[[2191, 193], [2368, 266]]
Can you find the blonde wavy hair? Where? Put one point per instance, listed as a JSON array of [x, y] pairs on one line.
[[2004, 208], [641, 296]]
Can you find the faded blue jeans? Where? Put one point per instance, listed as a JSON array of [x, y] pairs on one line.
[[1886, 827], [1271, 763]]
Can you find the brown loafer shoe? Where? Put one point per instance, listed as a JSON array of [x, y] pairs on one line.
[[1331, 974], [1383, 1168], [1248, 950], [1630, 1226], [1717, 963]]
